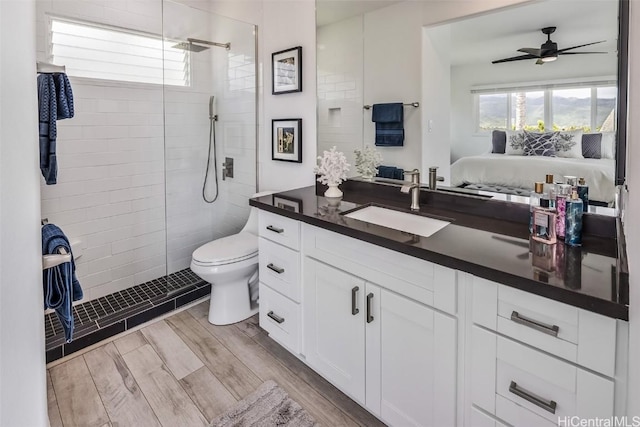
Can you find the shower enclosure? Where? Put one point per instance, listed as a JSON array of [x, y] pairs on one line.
[[133, 162]]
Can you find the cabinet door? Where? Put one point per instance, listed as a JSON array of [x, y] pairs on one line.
[[334, 326], [417, 363]]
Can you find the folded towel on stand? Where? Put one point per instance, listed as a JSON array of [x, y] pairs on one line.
[[389, 120], [61, 286], [391, 172], [55, 102]]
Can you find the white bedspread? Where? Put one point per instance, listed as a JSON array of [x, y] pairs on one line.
[[523, 171]]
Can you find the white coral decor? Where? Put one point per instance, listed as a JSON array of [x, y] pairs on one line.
[[332, 167], [367, 161]]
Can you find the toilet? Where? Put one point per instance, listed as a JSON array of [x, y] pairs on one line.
[[230, 265]]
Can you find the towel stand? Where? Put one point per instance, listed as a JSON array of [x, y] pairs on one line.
[[413, 104]]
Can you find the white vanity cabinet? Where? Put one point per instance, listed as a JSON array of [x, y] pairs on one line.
[[394, 355], [534, 361]]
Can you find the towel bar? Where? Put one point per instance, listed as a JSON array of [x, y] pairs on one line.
[[49, 261], [413, 104]]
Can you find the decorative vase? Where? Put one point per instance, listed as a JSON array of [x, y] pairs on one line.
[[333, 191]]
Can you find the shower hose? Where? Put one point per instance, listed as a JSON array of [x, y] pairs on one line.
[[212, 143]]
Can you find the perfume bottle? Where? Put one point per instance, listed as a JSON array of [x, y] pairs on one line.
[[564, 192], [572, 181], [534, 201], [543, 256], [544, 223], [550, 190], [573, 221], [583, 193]]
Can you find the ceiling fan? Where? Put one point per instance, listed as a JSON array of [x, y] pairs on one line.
[[548, 51]]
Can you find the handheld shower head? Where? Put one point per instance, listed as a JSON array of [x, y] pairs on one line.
[[212, 108]]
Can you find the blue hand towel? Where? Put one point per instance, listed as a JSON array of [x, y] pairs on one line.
[[390, 172], [389, 120], [55, 102], [61, 286]]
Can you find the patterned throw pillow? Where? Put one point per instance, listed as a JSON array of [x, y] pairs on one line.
[[592, 145], [498, 141], [570, 144], [540, 144], [515, 143]]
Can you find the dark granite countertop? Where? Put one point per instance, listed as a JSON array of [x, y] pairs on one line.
[[494, 249]]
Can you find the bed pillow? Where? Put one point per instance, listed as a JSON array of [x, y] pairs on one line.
[[592, 145], [498, 141], [608, 145], [515, 143], [569, 144], [540, 144]]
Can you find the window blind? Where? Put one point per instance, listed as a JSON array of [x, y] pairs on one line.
[[110, 53]]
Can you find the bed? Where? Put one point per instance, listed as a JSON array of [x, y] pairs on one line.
[[524, 171]]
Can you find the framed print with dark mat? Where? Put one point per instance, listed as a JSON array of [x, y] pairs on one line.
[[286, 140], [286, 71], [287, 203]]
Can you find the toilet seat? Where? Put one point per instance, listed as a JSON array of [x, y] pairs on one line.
[[227, 250]]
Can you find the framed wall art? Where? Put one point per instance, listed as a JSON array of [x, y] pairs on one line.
[[286, 71], [286, 140]]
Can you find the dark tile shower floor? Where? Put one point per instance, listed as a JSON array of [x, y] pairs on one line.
[[109, 315]]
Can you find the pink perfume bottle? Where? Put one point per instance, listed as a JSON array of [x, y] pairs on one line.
[[544, 225]]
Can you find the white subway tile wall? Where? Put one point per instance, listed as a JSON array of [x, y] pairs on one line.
[[340, 88], [132, 160]]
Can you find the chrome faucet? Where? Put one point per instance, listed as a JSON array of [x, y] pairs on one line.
[[414, 188]]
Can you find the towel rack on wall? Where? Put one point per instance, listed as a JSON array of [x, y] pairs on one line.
[[50, 261], [47, 68], [413, 104]]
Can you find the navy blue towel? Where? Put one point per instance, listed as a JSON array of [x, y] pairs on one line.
[[61, 287], [55, 102], [390, 172], [389, 120]]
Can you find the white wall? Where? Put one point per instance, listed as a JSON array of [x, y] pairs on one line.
[[288, 24], [23, 399], [340, 60], [632, 214]]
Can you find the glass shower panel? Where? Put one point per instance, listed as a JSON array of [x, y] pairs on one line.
[[203, 204]]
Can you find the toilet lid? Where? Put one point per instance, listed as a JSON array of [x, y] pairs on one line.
[[227, 249]]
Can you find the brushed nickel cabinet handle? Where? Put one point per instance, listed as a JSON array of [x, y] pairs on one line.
[[354, 292], [547, 405], [534, 324], [275, 229], [275, 268], [275, 317], [369, 315]]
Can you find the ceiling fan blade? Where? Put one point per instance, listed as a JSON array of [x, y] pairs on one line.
[[531, 51], [514, 58], [581, 45], [578, 53]]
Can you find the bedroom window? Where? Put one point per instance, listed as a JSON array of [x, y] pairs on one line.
[[570, 106], [113, 53]]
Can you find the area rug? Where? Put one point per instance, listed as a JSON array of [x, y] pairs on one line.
[[268, 406]]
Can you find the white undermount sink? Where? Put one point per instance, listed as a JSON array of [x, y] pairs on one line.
[[409, 223]]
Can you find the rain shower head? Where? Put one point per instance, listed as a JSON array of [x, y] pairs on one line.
[[191, 45]]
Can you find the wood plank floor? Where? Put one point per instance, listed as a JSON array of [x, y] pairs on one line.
[[184, 371]]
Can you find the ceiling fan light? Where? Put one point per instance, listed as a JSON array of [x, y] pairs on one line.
[[549, 58]]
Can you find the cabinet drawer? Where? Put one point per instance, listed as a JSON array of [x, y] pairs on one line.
[[279, 229], [280, 268], [480, 419], [280, 317], [574, 334], [506, 373]]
